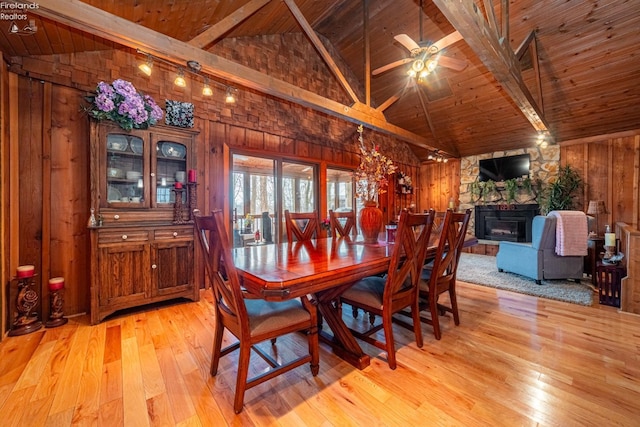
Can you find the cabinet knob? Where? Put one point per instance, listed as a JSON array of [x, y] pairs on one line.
[[124, 237], [154, 266], [153, 174], [175, 234], [116, 217]]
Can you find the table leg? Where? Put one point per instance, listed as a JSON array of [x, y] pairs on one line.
[[343, 342]]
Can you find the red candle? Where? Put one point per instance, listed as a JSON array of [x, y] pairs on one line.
[[178, 185], [56, 283], [192, 175], [25, 271]]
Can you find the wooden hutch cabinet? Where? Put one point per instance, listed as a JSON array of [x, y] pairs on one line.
[[140, 251]]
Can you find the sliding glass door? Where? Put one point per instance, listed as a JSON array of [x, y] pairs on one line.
[[259, 185]]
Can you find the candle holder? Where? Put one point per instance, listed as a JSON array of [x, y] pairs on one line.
[[178, 207], [193, 198], [56, 301], [26, 300]]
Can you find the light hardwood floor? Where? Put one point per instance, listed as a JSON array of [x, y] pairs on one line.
[[514, 360]]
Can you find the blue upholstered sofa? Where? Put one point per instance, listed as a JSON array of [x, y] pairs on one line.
[[538, 259]]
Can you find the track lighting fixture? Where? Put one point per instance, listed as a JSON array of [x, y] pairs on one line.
[[147, 66], [193, 67], [206, 89], [230, 97], [543, 139], [180, 81], [438, 157]]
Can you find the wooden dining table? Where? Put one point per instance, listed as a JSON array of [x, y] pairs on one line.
[[322, 268]]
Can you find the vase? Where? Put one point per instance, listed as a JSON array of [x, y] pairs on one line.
[[370, 221]]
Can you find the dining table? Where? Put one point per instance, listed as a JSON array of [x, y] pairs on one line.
[[320, 268]]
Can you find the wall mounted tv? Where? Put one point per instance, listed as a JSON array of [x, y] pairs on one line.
[[504, 168]]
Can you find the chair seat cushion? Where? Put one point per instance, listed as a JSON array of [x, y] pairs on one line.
[[266, 316], [367, 291]]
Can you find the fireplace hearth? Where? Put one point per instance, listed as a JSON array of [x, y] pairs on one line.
[[505, 222]]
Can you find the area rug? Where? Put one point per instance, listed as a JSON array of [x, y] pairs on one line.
[[482, 270]]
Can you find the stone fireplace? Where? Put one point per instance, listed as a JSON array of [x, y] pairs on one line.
[[505, 222]]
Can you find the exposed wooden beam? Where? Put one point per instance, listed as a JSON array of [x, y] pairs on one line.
[[505, 21], [388, 103], [519, 53], [215, 32], [317, 43], [367, 52], [491, 16], [499, 59], [95, 21]]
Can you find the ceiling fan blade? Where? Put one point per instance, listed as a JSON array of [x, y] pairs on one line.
[[391, 65], [407, 42], [453, 63], [447, 40]]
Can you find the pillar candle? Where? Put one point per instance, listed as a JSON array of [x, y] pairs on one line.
[[56, 283], [25, 271], [609, 239], [192, 175]]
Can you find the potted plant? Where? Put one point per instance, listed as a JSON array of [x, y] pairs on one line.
[[561, 193]]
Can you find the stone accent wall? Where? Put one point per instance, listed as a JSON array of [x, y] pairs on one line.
[[545, 163]]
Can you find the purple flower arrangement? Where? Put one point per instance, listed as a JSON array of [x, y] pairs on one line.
[[121, 103]]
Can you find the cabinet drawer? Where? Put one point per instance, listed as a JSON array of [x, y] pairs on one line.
[[123, 236], [172, 234]]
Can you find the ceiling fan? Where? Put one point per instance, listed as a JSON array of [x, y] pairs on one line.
[[425, 56]]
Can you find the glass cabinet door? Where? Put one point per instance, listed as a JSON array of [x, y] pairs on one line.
[[125, 170], [171, 170]]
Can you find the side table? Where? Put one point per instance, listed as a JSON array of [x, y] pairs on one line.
[[609, 277], [595, 245]]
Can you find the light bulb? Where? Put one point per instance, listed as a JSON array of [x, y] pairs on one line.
[[180, 81], [230, 98], [206, 90], [147, 66], [417, 65]]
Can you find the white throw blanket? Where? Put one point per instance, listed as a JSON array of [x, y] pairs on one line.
[[571, 233]]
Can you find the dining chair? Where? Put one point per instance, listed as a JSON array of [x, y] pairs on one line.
[[440, 275], [301, 225], [342, 223], [398, 290], [250, 320]]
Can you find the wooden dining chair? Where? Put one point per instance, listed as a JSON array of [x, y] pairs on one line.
[[250, 320], [398, 290], [440, 275], [342, 223], [301, 225]]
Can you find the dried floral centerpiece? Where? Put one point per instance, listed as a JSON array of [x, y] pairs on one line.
[[373, 180], [122, 104], [373, 172]]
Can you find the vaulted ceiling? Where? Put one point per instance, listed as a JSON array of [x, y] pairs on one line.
[[579, 76]]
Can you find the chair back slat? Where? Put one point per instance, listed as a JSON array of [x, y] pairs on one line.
[[412, 237], [452, 234], [301, 225], [342, 223], [225, 281]]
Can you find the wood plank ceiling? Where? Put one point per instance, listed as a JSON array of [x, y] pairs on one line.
[[587, 60]]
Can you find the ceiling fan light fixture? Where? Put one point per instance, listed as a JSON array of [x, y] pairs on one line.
[[432, 64], [417, 65]]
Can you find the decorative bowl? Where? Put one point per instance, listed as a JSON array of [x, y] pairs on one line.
[[115, 173], [136, 145], [117, 143], [170, 149]]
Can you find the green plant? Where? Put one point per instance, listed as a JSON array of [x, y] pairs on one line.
[[488, 188], [561, 193], [511, 185]]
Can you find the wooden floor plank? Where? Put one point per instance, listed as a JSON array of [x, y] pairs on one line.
[[513, 360]]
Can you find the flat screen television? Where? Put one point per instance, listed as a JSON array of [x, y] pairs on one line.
[[504, 168]]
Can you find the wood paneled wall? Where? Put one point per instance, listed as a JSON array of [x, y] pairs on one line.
[[50, 135]]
